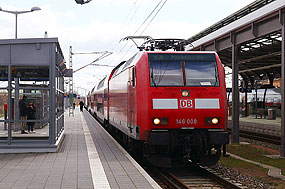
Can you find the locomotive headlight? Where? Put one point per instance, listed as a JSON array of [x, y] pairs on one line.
[[160, 121], [215, 121], [212, 121], [185, 93], [156, 121]]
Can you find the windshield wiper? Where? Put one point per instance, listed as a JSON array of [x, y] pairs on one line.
[[151, 75]]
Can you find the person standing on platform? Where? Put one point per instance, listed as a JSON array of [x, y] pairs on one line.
[[81, 106], [31, 116], [23, 113]]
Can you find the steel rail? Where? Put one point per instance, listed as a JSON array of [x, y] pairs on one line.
[[220, 179], [198, 177], [271, 139]]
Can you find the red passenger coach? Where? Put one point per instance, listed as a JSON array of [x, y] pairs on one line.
[[170, 106]]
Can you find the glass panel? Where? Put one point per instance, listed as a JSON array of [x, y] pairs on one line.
[[3, 130], [59, 125], [3, 104], [61, 83], [29, 76], [36, 109], [30, 73], [3, 76], [4, 112], [40, 100], [166, 74], [201, 74]]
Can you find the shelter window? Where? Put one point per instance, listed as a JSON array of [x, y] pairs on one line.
[[166, 74], [28, 73], [3, 105], [201, 74], [3, 76]]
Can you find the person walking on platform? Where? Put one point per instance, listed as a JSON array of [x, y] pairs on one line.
[[81, 106], [31, 116], [23, 113]]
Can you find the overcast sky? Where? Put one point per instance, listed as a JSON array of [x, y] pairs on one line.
[[100, 24]]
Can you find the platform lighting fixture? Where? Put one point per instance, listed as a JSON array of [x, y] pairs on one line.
[[81, 2], [19, 12]]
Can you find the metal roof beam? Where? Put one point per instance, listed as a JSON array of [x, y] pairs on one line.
[[260, 68], [259, 57]]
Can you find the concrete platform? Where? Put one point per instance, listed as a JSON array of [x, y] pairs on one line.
[[263, 126], [120, 169], [264, 121], [78, 164]]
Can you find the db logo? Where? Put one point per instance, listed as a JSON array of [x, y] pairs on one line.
[[186, 103]]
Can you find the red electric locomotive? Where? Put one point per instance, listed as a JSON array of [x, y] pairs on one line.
[[170, 105]]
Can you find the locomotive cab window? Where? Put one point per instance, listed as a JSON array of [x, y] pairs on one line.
[[166, 73], [168, 69], [201, 74]]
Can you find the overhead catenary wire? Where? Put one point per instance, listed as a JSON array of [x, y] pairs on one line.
[[154, 17], [104, 55], [139, 29], [128, 15], [131, 15], [147, 24]]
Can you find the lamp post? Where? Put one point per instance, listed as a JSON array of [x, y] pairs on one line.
[[19, 12]]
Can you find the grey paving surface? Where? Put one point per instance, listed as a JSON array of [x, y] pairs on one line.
[[68, 168], [120, 171]]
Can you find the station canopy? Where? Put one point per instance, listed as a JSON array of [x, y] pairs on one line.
[[256, 32]]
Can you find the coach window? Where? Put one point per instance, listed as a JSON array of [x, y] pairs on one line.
[[105, 95], [3, 76], [101, 83], [166, 74], [201, 74]]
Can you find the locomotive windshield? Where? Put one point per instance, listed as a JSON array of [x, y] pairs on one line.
[[201, 74], [166, 74], [169, 69]]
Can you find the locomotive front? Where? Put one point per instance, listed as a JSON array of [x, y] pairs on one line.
[[188, 107]]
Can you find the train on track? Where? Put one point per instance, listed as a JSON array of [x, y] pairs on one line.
[[166, 105]]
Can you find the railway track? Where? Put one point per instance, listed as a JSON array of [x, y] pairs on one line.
[[271, 139], [190, 177]]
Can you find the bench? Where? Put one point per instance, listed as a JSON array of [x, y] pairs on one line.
[[261, 112]]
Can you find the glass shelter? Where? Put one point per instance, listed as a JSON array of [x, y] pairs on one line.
[[33, 69]]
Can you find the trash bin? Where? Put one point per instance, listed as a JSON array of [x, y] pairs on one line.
[[271, 114]]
